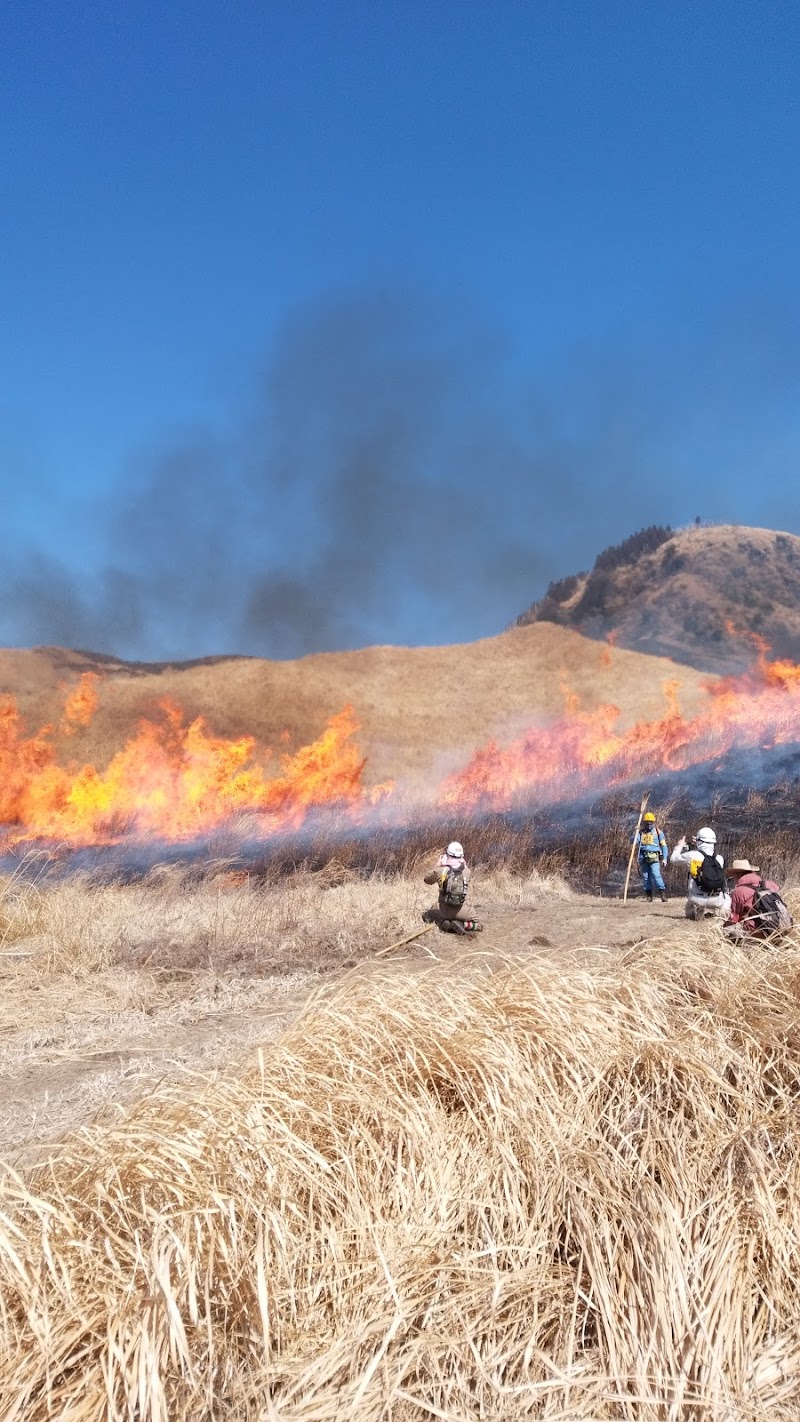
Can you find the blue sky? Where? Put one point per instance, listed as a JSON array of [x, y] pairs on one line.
[[331, 323]]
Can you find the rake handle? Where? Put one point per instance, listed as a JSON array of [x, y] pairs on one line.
[[642, 809], [418, 934]]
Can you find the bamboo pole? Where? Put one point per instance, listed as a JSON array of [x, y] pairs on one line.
[[410, 939], [642, 809]]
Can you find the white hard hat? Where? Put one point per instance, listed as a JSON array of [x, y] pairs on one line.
[[455, 850], [707, 835]]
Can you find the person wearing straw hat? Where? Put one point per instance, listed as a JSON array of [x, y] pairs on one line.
[[452, 876], [757, 909], [706, 896], [652, 856]]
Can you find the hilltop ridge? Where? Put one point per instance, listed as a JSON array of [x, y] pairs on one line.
[[422, 710], [676, 607], [698, 595]]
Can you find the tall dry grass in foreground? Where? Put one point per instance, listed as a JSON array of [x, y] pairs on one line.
[[103, 987], [457, 1194]]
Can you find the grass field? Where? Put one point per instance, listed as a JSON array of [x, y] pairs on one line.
[[416, 722], [553, 1174], [105, 985]]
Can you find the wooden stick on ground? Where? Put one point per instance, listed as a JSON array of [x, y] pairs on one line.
[[633, 846], [410, 939]]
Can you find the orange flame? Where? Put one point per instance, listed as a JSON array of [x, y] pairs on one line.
[[760, 708], [177, 780], [172, 780], [80, 705]]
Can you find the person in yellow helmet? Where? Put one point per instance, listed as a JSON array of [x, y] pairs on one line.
[[652, 856]]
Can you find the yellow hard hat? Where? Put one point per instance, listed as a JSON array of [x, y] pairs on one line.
[[650, 817]]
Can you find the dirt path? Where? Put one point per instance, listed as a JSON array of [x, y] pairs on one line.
[[578, 925], [72, 1048]]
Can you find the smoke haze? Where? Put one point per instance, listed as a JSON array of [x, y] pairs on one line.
[[397, 480]]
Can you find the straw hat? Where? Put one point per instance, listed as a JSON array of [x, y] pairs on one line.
[[743, 866]]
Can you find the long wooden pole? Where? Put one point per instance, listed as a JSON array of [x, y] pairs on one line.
[[642, 809], [381, 953]]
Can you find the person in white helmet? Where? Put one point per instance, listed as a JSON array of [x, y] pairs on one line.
[[452, 876], [706, 896]]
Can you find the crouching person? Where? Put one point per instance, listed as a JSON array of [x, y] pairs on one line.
[[452, 876], [757, 910], [706, 893]]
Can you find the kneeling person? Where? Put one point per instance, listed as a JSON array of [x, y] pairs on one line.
[[453, 876], [757, 909], [706, 894]]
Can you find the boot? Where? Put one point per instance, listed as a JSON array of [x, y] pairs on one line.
[[649, 896], [663, 895], [456, 926]]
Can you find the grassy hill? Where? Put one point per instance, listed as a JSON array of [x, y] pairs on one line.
[[687, 595], [423, 710]]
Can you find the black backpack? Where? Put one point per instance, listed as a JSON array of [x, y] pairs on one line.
[[454, 888], [769, 912], [710, 875]]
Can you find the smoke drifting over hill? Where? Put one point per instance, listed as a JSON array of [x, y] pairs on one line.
[[355, 488], [395, 481]]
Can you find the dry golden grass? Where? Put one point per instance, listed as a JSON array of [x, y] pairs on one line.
[[169, 920], [104, 988], [20, 900], [416, 721], [483, 1190]]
